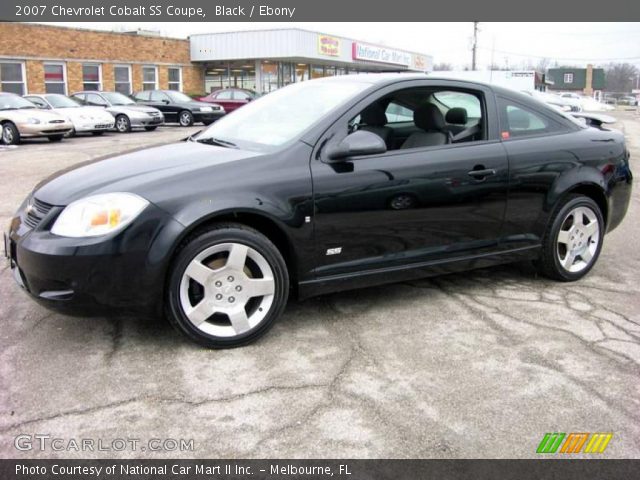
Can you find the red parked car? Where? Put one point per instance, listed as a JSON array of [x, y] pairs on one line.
[[230, 98]]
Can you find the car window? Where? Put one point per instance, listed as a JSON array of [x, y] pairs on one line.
[[450, 100], [142, 96], [38, 101], [520, 121], [224, 95], [95, 99], [397, 113], [80, 98], [239, 95], [158, 96]]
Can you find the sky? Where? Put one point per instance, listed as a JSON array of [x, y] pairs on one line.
[[505, 44]]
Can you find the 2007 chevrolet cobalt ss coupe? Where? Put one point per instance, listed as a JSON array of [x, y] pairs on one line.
[[321, 186]]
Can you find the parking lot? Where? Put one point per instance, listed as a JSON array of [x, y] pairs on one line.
[[479, 364]]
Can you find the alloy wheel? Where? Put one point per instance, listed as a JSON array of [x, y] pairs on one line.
[[121, 124], [227, 289], [7, 135], [185, 119], [578, 239]]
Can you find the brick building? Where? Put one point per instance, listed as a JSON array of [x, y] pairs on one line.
[[40, 58], [37, 58]]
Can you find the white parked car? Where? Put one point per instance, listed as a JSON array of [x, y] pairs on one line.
[[93, 120]]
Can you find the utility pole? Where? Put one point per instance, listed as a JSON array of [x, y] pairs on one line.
[[475, 45]]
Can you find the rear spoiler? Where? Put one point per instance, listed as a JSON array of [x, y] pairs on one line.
[[594, 119]]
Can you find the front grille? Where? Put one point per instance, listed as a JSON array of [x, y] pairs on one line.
[[36, 211], [55, 130], [154, 114], [104, 125], [56, 121]]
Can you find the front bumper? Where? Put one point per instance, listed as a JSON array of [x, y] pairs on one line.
[[33, 130], [125, 270], [93, 126], [208, 116], [146, 121]]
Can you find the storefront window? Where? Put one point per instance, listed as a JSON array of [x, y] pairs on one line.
[[122, 77], [269, 74], [317, 71], [175, 78], [54, 78], [287, 74], [302, 72], [149, 78], [329, 71], [91, 77]]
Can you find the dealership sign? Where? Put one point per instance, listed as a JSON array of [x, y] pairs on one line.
[[374, 53], [329, 46]]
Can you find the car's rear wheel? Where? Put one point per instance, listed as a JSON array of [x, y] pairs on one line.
[[10, 134], [573, 240], [226, 286], [123, 124], [185, 118]]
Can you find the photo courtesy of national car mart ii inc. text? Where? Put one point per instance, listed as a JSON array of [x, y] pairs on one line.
[[309, 240]]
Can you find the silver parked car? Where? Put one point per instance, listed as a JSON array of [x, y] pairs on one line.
[[93, 120], [20, 118], [128, 114]]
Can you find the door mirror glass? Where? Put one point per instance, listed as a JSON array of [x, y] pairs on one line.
[[358, 143]]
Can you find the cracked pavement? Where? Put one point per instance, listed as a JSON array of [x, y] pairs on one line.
[[473, 365]]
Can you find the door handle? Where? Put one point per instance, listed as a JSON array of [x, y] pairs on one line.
[[481, 173]]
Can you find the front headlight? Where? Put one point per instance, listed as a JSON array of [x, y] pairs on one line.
[[33, 120], [98, 215]]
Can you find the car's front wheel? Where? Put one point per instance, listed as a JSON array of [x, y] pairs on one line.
[[123, 124], [226, 286], [10, 134], [573, 239], [185, 118]]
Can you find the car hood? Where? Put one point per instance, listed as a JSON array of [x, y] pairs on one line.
[[133, 109], [146, 172], [21, 116]]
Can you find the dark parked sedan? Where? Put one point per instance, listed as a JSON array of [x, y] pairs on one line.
[[324, 186], [178, 107]]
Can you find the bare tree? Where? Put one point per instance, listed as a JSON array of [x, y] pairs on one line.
[[620, 77], [442, 66]]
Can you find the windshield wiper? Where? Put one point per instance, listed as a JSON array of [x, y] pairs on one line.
[[217, 141]]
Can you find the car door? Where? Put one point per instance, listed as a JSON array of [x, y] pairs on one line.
[[408, 206], [162, 102], [225, 99]]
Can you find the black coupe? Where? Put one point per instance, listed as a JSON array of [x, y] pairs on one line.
[[321, 186], [180, 108]]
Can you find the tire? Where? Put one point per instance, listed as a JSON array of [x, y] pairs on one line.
[[241, 301], [185, 118], [10, 134], [123, 124], [97, 134], [150, 129], [55, 138], [567, 228]]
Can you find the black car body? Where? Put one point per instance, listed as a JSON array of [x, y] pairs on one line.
[[178, 107], [342, 201]]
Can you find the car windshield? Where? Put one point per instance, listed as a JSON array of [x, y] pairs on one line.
[[280, 116], [14, 102], [178, 97], [116, 98], [60, 101]]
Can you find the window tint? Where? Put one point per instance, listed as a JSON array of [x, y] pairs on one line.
[[450, 100], [397, 113], [80, 97], [224, 95], [142, 96], [94, 99], [158, 96], [239, 95], [520, 121], [38, 101]]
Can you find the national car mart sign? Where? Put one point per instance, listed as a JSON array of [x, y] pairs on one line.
[[374, 53]]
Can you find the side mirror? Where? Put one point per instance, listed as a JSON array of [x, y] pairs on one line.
[[165, 101], [358, 143]]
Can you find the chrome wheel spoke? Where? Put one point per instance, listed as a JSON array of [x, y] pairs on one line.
[[239, 319], [237, 257], [260, 287], [568, 260], [592, 228], [563, 236], [198, 272], [198, 314], [586, 255]]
